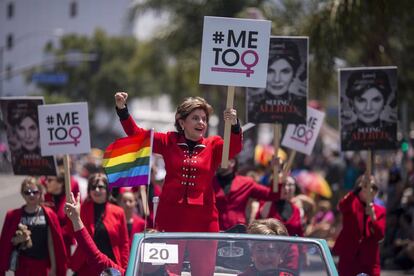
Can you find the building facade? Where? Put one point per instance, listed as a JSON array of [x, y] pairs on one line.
[[27, 26]]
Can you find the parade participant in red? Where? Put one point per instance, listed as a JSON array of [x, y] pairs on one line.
[[283, 209], [31, 237], [187, 202], [55, 198], [363, 227], [107, 225], [135, 224], [233, 193], [97, 261]]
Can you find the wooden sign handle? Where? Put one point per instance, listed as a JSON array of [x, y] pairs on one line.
[[227, 129], [144, 199], [289, 164], [276, 143], [66, 166]]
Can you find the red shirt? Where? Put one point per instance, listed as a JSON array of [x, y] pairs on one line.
[[115, 223], [187, 201], [138, 226], [232, 206], [293, 223], [358, 242]]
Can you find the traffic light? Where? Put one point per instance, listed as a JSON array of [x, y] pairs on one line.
[[404, 146]]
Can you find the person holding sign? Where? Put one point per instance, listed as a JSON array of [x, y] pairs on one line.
[[31, 240], [284, 99], [187, 202], [368, 117], [283, 209], [363, 227], [233, 192]]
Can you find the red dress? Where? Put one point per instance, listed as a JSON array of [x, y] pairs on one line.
[[232, 206], [358, 242], [29, 266], [115, 223], [187, 201]]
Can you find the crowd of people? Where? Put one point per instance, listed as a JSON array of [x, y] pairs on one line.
[[371, 228]]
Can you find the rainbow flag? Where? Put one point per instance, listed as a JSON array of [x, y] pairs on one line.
[[127, 161]]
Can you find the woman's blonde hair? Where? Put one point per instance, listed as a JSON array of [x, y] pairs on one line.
[[189, 105], [29, 181], [269, 226]]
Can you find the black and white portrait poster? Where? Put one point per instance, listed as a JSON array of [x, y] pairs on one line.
[[368, 108], [284, 99], [22, 125]]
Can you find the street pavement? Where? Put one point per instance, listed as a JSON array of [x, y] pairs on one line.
[[10, 198]]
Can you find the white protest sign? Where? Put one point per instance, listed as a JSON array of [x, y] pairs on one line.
[[160, 253], [235, 52], [64, 128], [302, 137]]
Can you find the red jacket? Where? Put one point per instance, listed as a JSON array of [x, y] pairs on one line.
[[359, 252], [115, 223], [138, 226], [293, 224], [187, 201], [9, 228], [97, 261], [232, 206]]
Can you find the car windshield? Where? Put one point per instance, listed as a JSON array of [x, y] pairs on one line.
[[228, 254]]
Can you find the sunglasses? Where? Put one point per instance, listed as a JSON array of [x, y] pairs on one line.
[[31, 192], [99, 187]]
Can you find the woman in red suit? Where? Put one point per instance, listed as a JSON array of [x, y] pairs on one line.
[[363, 227], [107, 225], [187, 202], [40, 246]]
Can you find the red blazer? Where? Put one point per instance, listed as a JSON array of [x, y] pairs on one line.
[[359, 252], [232, 206], [9, 228], [138, 226], [293, 224], [97, 261], [187, 188], [115, 223]]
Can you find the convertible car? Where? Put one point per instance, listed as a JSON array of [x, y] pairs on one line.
[[226, 254]]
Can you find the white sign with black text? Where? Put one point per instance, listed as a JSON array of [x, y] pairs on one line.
[[64, 128], [235, 52], [302, 137]]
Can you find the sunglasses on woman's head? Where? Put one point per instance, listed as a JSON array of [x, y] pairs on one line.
[[31, 192]]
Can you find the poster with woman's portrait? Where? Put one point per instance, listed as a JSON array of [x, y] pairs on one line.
[[22, 126], [368, 108], [284, 99]]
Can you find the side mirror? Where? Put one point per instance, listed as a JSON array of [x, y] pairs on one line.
[[110, 271]]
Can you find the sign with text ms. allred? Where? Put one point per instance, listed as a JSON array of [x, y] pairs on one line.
[[234, 52], [64, 128]]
